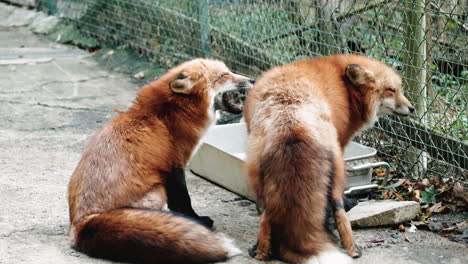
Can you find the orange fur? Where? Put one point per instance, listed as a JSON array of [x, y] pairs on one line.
[[300, 117], [130, 162]]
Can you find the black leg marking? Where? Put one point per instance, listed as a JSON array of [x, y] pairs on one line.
[[338, 205], [206, 221], [178, 198], [253, 250], [349, 203], [358, 250], [329, 224]]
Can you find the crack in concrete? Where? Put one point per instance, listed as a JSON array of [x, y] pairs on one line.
[[56, 106], [50, 128], [16, 231], [72, 108], [40, 86], [71, 81], [57, 233]]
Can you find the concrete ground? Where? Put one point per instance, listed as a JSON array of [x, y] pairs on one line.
[[48, 111]]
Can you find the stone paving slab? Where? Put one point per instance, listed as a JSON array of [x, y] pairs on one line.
[[381, 213]]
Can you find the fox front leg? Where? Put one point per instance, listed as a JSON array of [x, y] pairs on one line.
[[261, 250], [341, 218], [178, 198]]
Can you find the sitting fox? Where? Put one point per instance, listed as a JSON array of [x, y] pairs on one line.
[[135, 165], [300, 117]]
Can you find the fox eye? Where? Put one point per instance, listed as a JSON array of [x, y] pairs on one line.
[[391, 90], [221, 76], [181, 76]]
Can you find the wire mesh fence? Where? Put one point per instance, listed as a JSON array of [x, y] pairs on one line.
[[426, 40]]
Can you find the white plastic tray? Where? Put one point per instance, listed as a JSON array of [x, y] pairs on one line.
[[221, 156]]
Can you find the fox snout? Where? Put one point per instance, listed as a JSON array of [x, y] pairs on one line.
[[225, 99], [244, 85], [403, 106], [403, 110], [243, 82], [395, 106]]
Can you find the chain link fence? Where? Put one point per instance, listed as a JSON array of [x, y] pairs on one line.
[[426, 40]]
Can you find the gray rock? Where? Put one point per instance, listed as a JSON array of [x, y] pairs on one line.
[[43, 24], [19, 17], [381, 213], [5, 11], [436, 226], [24, 2]]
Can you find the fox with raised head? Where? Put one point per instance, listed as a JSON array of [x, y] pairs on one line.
[[300, 117], [136, 164]]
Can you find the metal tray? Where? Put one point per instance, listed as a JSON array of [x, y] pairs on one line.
[[221, 156]]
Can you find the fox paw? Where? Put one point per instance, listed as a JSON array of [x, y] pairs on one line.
[[206, 221], [253, 252], [356, 253]]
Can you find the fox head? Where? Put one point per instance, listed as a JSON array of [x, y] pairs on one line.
[[380, 87], [207, 78]]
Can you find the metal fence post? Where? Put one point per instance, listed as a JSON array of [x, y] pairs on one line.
[[51, 7], [415, 57], [204, 20], [415, 70]]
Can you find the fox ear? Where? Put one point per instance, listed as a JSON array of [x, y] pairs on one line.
[[359, 76], [181, 84]]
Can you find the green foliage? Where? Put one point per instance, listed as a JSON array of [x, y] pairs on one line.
[[69, 34], [464, 74], [449, 87], [451, 24], [428, 195]]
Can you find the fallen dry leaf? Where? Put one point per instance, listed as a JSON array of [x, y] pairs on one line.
[[408, 183], [448, 231], [418, 223], [439, 208], [402, 228], [380, 172], [399, 196], [435, 207], [139, 75], [95, 52], [417, 195], [376, 241], [425, 215], [425, 182], [407, 239], [460, 193], [442, 196], [386, 195], [443, 188]]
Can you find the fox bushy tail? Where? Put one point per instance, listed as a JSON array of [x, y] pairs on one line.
[[151, 236]]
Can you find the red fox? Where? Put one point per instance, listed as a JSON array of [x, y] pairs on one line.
[[300, 117], [136, 163]]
